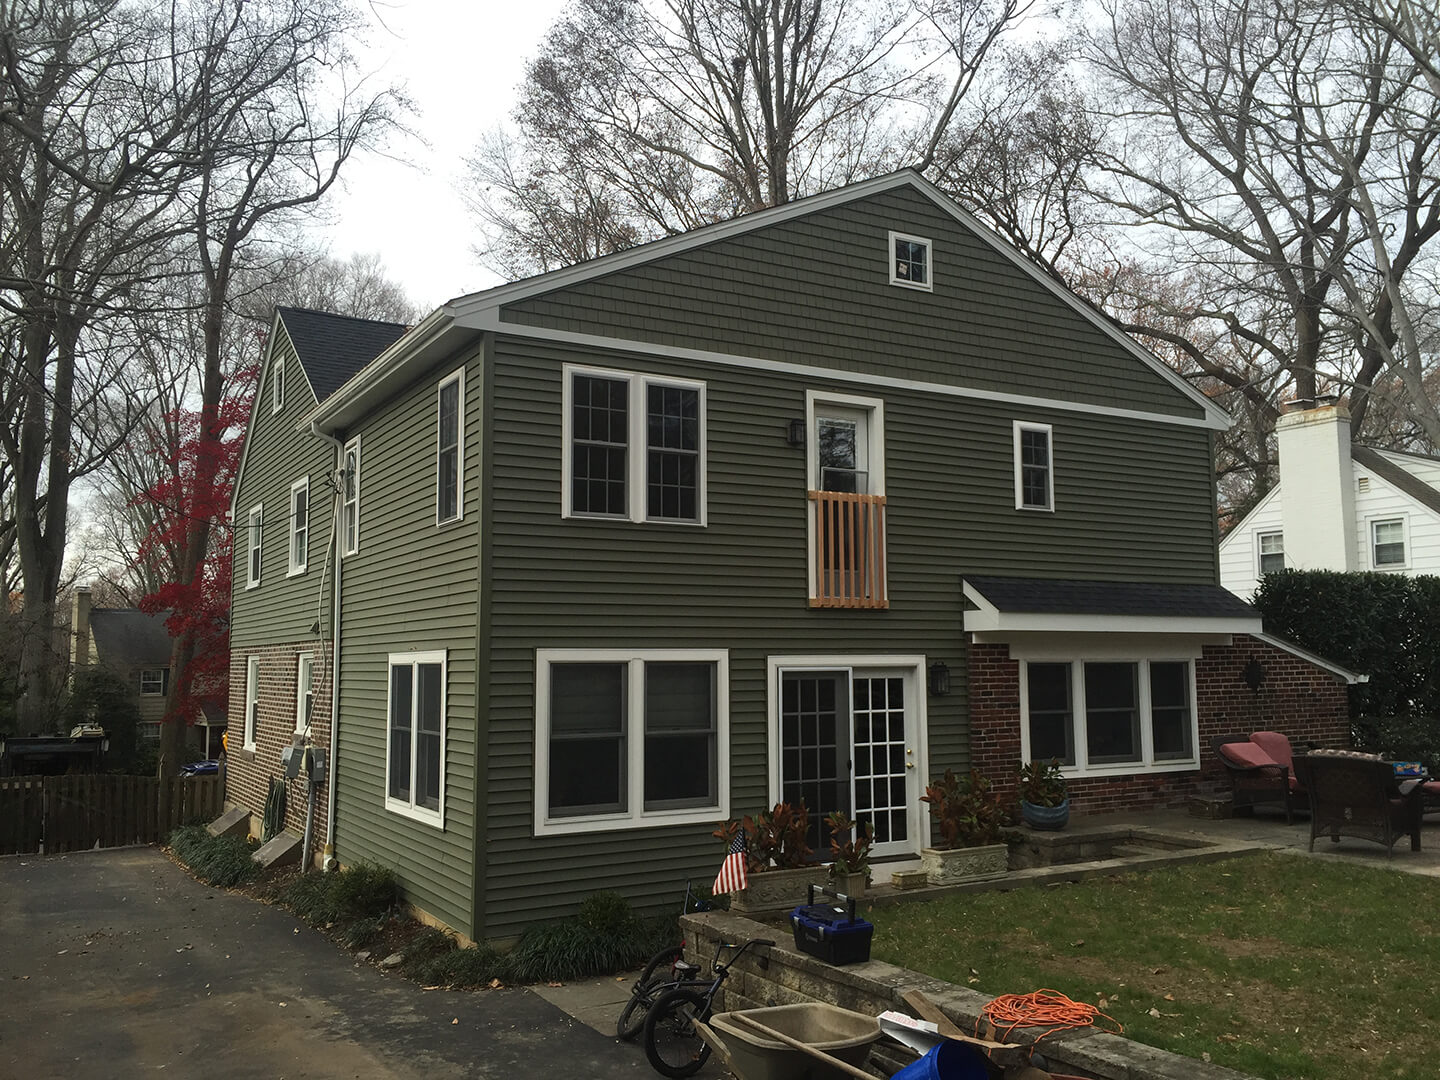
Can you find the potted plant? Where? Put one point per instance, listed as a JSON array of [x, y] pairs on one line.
[[971, 824], [850, 845], [778, 861], [1044, 798]]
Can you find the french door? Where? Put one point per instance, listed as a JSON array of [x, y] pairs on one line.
[[849, 741]]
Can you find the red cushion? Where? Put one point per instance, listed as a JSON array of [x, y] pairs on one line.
[[1275, 745], [1247, 754]]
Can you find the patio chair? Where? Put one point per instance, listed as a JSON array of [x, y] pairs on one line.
[[1256, 778], [1354, 794]]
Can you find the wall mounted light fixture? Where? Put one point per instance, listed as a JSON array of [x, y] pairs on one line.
[[939, 679], [1254, 674], [795, 433]]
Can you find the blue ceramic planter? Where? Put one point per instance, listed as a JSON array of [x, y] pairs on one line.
[[1045, 817]]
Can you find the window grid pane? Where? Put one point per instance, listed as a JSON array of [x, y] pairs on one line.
[[587, 738], [299, 526], [1389, 543], [448, 456], [1170, 711], [911, 261], [673, 445], [1052, 721], [600, 454], [1035, 467], [680, 726], [1112, 714], [401, 703]]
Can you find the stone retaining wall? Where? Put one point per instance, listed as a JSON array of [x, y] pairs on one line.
[[784, 976]]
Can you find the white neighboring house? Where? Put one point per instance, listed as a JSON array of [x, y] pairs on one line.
[[1336, 507]]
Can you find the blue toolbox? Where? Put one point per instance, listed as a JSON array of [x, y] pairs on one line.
[[830, 930]]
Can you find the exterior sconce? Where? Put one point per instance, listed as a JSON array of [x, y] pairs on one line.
[[795, 433], [939, 679], [1254, 674]]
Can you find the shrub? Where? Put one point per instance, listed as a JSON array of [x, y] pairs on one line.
[[606, 936], [362, 891], [966, 812], [1402, 738], [463, 969], [222, 861]]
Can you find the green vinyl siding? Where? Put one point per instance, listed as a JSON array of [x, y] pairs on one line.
[[283, 607], [411, 587], [740, 583], [815, 290]]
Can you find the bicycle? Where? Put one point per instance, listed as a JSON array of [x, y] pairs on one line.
[[672, 1044], [664, 971]]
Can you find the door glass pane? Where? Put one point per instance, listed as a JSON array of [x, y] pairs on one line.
[[1112, 714], [841, 454], [680, 758], [1171, 729], [1052, 728], [809, 703], [879, 755], [587, 738]]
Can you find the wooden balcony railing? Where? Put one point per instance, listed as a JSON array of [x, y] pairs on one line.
[[848, 563]]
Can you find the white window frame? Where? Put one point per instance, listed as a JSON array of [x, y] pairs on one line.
[[251, 724], [637, 446], [254, 545], [277, 386], [304, 688], [350, 498], [928, 285], [298, 567], [1372, 523], [1020, 503], [408, 809], [152, 671], [636, 817], [1260, 552], [149, 730], [1146, 762], [457, 377]]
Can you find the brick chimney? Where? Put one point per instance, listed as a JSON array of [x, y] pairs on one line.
[[80, 628], [1317, 490]]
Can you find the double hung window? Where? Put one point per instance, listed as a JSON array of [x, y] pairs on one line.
[[1270, 552], [155, 681], [304, 693], [634, 447], [1034, 475], [1107, 715], [1387, 543], [277, 386], [630, 739], [254, 537], [350, 512], [450, 449], [415, 757], [299, 525], [252, 701]]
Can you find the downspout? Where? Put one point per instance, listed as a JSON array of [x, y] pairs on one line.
[[337, 510]]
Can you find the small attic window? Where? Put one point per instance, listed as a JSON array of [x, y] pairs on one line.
[[910, 261], [277, 386]]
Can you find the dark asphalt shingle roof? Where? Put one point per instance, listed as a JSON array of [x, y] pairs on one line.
[[332, 348], [129, 638], [1051, 597], [1398, 477]]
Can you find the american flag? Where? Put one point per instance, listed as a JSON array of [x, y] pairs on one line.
[[732, 871]]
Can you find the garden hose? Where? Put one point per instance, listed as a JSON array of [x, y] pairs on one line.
[[274, 810]]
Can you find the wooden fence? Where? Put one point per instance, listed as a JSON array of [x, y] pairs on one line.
[[51, 814]]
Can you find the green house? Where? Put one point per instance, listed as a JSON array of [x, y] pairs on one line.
[[810, 505]]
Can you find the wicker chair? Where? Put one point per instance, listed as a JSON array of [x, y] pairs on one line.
[[1257, 779], [1354, 794]]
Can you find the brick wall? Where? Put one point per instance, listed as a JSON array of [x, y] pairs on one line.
[[248, 774], [1305, 702]]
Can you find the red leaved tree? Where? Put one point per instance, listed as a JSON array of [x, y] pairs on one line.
[[199, 451]]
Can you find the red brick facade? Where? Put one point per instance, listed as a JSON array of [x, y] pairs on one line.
[[248, 773], [1306, 702]]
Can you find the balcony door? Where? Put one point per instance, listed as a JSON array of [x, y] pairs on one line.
[[847, 496], [849, 740]]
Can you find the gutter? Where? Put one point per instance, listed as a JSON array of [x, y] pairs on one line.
[[329, 861]]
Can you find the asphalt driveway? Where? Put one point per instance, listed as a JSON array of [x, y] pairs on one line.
[[117, 964]]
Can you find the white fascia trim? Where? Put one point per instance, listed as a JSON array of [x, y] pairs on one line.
[[254, 411], [638, 818], [986, 618], [434, 818], [1020, 503], [490, 322], [1352, 678]]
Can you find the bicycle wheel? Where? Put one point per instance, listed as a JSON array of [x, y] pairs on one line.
[[658, 970], [672, 1044]]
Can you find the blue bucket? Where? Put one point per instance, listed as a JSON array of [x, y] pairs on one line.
[[947, 1061]]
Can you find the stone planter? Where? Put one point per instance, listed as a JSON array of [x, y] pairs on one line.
[[779, 890], [1045, 817], [956, 866], [849, 884]]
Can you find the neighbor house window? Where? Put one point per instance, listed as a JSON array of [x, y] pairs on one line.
[[1109, 715], [415, 758], [450, 449], [150, 730], [1387, 543], [350, 513], [634, 447], [277, 385], [252, 701], [155, 680], [304, 693], [1271, 549], [628, 740], [910, 261], [1034, 477], [253, 535], [299, 524]]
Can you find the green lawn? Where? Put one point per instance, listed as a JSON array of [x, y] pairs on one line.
[[1283, 967]]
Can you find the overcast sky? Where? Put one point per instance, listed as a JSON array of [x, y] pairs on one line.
[[461, 61]]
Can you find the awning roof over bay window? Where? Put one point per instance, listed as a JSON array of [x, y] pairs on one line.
[[1046, 605]]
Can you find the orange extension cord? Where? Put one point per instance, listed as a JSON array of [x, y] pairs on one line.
[[1043, 1008]]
